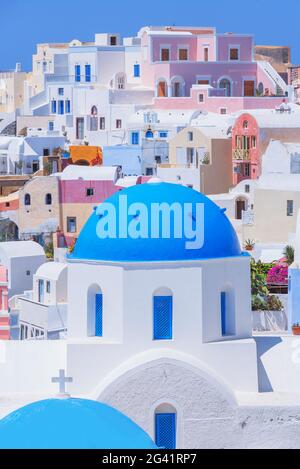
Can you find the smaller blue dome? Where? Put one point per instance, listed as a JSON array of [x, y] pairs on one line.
[[71, 424]]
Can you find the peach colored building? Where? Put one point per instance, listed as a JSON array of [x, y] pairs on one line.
[[252, 133]]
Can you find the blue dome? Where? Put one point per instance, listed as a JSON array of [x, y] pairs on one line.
[[220, 239], [70, 424]]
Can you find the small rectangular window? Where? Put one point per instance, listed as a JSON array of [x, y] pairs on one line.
[[165, 55], [223, 110], [98, 315], [60, 91], [48, 286], [247, 188], [87, 73], [162, 317], [102, 123], [113, 40], [68, 106], [202, 82], [135, 138], [46, 152], [190, 136], [51, 126], [201, 98], [234, 53], [163, 134], [253, 141], [53, 106], [247, 169], [136, 70], [89, 192], [77, 73], [61, 107], [205, 54], [183, 54], [71, 224], [118, 124], [290, 208], [227, 314]]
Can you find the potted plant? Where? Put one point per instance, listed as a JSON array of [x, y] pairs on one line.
[[249, 245], [296, 328]]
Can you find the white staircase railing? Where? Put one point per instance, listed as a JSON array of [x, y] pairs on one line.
[[6, 119], [281, 85]]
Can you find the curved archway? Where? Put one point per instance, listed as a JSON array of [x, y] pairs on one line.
[[162, 88], [225, 83], [260, 88], [178, 87], [94, 311], [83, 163], [94, 111], [149, 133]]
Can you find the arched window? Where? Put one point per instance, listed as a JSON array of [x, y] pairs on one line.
[[165, 422], [260, 88], [94, 111], [225, 84], [162, 89], [120, 81], [48, 199], [162, 314], [27, 199], [95, 311], [178, 87], [94, 119], [245, 124]]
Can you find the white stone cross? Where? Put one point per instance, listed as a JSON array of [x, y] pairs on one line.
[[62, 379]]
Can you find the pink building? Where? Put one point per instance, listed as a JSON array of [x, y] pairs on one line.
[[198, 68], [4, 315]]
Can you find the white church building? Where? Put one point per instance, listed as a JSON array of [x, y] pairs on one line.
[[162, 332]]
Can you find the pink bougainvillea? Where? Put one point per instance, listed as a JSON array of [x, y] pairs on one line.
[[278, 275]]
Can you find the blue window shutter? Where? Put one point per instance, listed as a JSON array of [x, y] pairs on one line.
[[223, 312], [61, 107], [165, 430], [98, 315], [68, 106], [135, 138], [77, 73], [162, 317], [136, 70], [53, 107], [87, 73]]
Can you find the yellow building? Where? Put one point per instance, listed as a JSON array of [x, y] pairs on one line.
[[11, 90], [204, 152]]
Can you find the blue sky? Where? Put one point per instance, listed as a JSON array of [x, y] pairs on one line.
[[24, 23]]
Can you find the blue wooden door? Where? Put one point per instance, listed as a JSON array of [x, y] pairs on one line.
[[99, 315], [165, 430]]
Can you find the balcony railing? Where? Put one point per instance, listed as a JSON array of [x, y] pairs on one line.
[[241, 154]]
